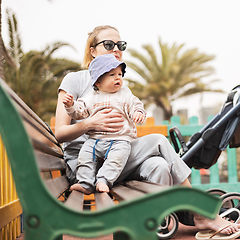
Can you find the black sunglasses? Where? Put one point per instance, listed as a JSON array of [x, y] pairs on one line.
[[109, 45]]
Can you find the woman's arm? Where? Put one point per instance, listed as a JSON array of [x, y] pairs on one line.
[[104, 120]]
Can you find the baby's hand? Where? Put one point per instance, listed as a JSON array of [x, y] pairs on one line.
[[138, 117], [68, 100]]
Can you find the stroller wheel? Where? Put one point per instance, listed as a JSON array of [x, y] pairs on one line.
[[216, 191], [169, 227], [230, 200], [230, 206], [228, 203]]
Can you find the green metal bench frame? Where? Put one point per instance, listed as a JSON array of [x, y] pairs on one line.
[[48, 219]]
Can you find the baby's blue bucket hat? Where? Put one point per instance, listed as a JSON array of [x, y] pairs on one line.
[[103, 64]]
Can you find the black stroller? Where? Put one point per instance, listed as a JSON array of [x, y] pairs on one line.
[[202, 151]]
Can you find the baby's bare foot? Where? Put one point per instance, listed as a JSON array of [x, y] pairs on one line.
[[79, 188], [102, 187]]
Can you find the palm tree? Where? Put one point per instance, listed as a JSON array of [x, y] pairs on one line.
[[3, 52], [1, 43], [177, 75], [35, 75]]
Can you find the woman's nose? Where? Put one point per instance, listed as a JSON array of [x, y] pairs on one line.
[[115, 48]]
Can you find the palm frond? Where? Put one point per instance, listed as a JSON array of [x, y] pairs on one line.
[[15, 44], [178, 73], [38, 74]]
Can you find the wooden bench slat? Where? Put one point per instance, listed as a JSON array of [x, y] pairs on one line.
[[75, 200], [143, 186], [46, 175], [19, 103], [124, 193], [36, 128], [40, 126], [49, 163], [46, 138], [103, 200], [57, 152], [57, 185]]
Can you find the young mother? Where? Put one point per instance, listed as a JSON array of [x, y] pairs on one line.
[[152, 157]]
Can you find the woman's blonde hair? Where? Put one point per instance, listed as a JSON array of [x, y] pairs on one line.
[[92, 41]]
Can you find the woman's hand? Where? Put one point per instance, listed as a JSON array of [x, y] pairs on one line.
[[106, 121]]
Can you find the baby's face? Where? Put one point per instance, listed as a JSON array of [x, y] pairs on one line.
[[111, 81]]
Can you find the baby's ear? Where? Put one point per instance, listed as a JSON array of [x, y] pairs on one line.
[[97, 83]]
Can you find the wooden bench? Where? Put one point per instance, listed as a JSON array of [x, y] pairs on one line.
[[38, 168]]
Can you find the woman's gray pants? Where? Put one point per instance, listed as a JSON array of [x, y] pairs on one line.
[[152, 158]]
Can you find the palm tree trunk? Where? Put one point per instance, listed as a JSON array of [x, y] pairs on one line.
[[167, 110], [167, 114]]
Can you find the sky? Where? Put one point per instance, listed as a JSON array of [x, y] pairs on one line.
[[211, 26]]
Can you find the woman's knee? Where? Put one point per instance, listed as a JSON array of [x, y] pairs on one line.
[[148, 145], [156, 170], [156, 138]]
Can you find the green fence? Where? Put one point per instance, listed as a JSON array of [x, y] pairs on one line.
[[215, 179]]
